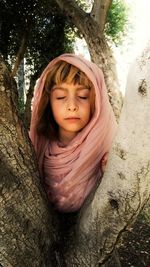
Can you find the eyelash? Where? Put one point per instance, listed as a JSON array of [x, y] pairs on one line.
[[63, 97], [83, 97], [60, 97]]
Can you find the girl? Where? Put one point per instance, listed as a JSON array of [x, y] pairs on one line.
[[72, 129]]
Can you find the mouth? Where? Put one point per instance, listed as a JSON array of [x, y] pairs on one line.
[[72, 118]]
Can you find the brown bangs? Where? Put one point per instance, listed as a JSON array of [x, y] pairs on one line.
[[65, 72], [71, 74]]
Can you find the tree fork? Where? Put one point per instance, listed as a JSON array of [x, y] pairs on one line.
[[100, 52]]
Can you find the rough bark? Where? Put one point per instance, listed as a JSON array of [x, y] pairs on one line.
[[26, 224], [99, 12], [133, 247], [93, 234], [21, 81], [91, 27]]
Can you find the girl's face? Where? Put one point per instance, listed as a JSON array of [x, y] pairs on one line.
[[70, 105]]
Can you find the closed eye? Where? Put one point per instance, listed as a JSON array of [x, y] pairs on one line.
[[83, 97], [60, 97]]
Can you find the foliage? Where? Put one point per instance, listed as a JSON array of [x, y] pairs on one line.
[[43, 28], [40, 22], [117, 21]]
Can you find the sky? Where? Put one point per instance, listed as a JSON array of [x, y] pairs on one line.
[[135, 42]]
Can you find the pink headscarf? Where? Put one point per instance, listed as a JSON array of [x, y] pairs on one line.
[[70, 173]]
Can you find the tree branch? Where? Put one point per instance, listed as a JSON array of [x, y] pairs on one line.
[[20, 54], [23, 45], [75, 14], [99, 12]]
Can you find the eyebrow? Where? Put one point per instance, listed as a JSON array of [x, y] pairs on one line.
[[65, 89]]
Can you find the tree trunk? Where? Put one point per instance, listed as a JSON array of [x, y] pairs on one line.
[[91, 27], [26, 223], [90, 237], [21, 82]]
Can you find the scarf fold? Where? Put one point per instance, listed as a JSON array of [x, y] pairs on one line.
[[71, 172]]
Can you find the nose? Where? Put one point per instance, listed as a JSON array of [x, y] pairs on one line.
[[72, 105]]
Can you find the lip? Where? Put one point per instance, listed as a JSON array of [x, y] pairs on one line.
[[72, 118]]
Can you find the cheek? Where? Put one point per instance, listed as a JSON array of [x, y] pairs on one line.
[[87, 111], [56, 110]]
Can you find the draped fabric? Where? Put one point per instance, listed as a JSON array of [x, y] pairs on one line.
[[71, 172]]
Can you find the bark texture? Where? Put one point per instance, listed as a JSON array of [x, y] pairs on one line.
[[125, 187], [26, 224], [91, 26], [100, 10]]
